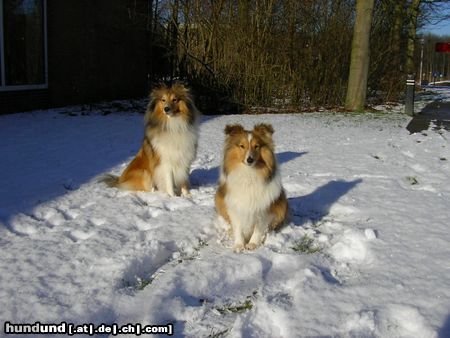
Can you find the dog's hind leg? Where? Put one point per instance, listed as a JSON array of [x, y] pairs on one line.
[[221, 208], [279, 211]]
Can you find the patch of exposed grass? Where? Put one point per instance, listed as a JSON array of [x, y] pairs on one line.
[[236, 307], [201, 244], [142, 283], [412, 180], [306, 245], [189, 257], [219, 334]]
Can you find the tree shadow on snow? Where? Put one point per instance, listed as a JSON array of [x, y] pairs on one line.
[[210, 176], [316, 205], [59, 154]]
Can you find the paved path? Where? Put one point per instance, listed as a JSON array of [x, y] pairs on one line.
[[437, 112]]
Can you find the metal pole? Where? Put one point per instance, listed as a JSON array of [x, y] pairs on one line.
[[443, 67], [434, 68], [409, 101]]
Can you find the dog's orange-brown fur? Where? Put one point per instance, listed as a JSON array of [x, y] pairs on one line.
[[138, 175], [166, 104]]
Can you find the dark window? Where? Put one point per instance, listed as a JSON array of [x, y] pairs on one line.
[[24, 44]]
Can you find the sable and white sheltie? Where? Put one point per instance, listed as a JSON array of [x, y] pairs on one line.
[[250, 196], [169, 145]]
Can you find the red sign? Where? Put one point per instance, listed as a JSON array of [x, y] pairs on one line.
[[443, 47]]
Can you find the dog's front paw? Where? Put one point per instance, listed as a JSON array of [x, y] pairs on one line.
[[251, 246], [238, 248], [230, 232], [186, 193]]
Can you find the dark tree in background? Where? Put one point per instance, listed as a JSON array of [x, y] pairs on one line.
[[289, 54]]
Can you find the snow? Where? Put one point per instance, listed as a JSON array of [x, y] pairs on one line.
[[365, 253]]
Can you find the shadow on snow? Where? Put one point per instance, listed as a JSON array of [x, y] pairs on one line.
[[48, 154], [316, 205], [444, 331]]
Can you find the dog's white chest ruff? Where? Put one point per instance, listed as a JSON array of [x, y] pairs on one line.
[[249, 197], [246, 190], [176, 148]]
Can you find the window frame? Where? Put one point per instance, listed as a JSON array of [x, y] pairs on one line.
[[4, 87]]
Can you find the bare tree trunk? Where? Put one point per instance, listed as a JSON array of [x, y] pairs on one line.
[[359, 64], [412, 28]]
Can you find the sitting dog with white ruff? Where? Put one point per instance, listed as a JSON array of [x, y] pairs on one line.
[[169, 145], [250, 196]]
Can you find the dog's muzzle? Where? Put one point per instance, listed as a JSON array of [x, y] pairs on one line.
[[168, 111], [249, 161]]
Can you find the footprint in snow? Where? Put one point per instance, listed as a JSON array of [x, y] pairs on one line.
[[407, 153], [24, 224], [418, 168], [50, 216], [87, 204], [153, 212], [79, 235], [203, 196], [176, 203], [142, 222], [96, 221], [398, 320], [70, 214]]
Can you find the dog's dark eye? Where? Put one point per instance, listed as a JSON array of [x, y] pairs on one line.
[[242, 146], [163, 100], [257, 146], [175, 100]]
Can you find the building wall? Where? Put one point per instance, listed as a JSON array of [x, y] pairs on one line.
[[19, 101], [97, 50]]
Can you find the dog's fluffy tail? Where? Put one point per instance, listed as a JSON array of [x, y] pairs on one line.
[[110, 180]]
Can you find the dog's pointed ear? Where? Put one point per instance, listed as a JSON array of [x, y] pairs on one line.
[[153, 98], [151, 102], [232, 129], [263, 129]]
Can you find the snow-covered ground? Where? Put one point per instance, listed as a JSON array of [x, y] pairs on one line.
[[366, 253]]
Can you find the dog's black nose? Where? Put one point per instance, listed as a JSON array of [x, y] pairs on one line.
[[250, 160], [166, 109]]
